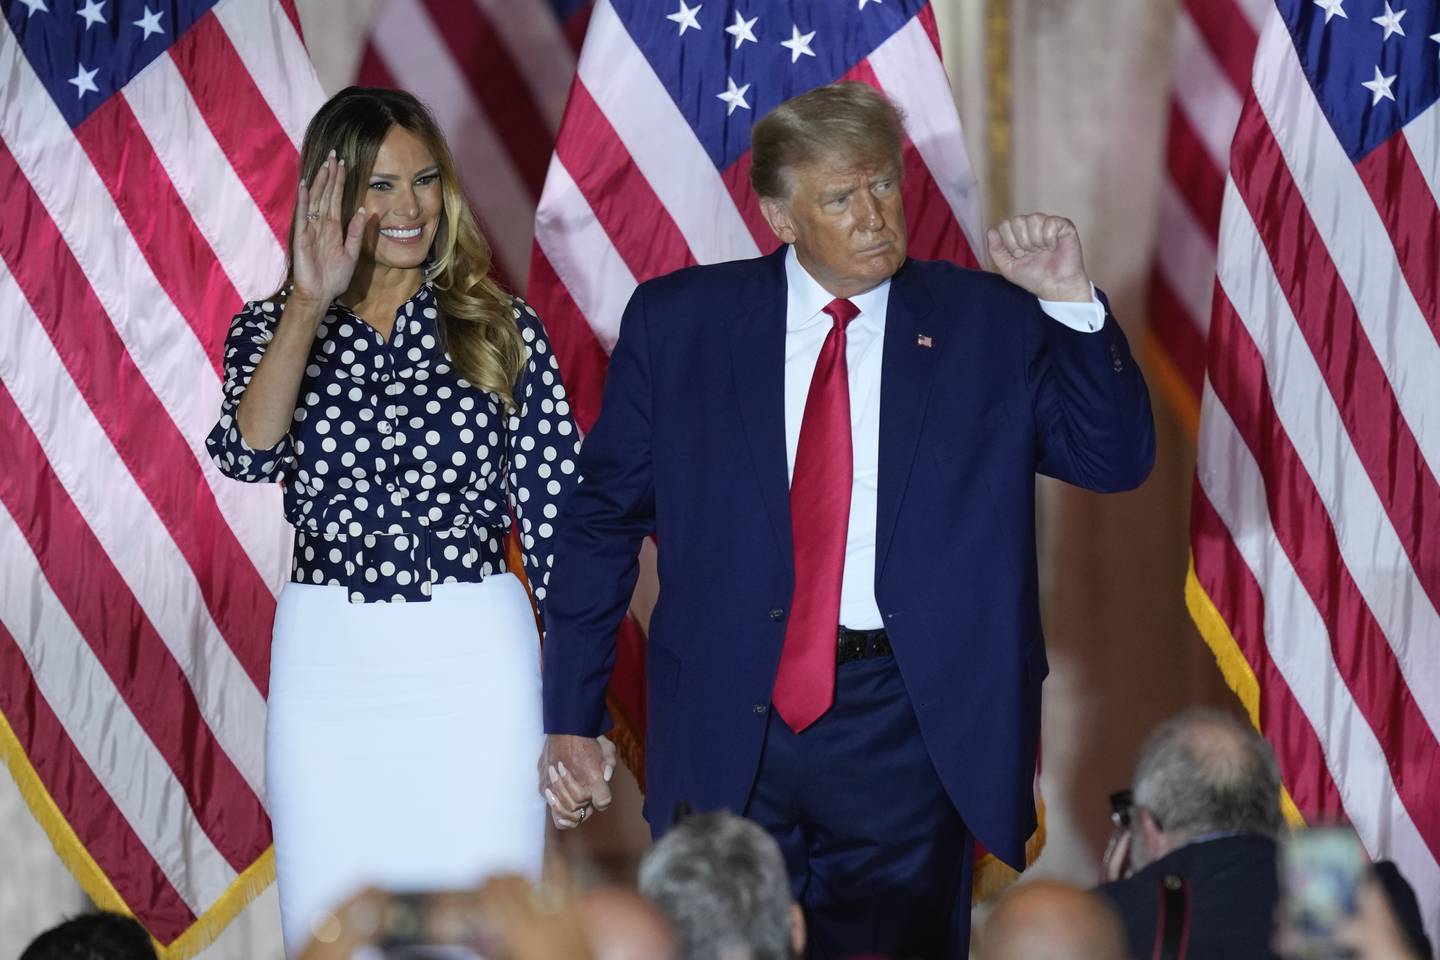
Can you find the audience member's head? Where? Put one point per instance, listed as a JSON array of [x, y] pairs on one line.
[[722, 883], [622, 925], [1047, 920], [1202, 772], [93, 936]]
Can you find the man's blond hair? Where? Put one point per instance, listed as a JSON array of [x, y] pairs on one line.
[[850, 123]]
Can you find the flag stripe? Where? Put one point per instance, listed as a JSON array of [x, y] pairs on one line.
[[1171, 323], [145, 677], [1188, 267], [1364, 659], [1349, 226], [736, 179], [582, 358], [1294, 628], [1423, 135], [1203, 92], [1232, 587], [273, 58], [135, 420], [133, 538], [582, 256], [539, 50], [413, 51], [499, 87], [1403, 198], [1326, 316], [193, 162], [241, 119], [1194, 177], [634, 219], [79, 795], [179, 256], [108, 737], [1227, 35]]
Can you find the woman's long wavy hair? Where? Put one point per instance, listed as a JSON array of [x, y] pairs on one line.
[[477, 326]]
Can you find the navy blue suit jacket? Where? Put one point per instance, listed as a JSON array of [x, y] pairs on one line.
[[690, 445], [1234, 889]]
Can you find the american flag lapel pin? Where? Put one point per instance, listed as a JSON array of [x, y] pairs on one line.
[[924, 341]]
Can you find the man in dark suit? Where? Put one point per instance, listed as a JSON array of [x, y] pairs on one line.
[[1203, 841], [835, 447]]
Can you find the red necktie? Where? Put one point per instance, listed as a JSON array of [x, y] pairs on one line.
[[819, 521]]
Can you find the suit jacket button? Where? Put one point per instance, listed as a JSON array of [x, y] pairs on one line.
[[777, 613], [760, 708]]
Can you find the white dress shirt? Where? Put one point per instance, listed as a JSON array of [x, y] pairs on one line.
[[806, 326]]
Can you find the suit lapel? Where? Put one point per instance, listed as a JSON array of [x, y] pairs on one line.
[[913, 342], [757, 352]]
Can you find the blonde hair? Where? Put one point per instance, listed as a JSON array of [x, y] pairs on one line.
[[477, 326], [850, 121]]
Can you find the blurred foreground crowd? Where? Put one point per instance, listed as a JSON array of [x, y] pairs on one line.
[[1201, 865]]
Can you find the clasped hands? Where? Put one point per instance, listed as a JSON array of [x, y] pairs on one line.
[[575, 777]]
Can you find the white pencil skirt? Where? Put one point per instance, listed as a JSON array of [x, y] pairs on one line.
[[401, 743]]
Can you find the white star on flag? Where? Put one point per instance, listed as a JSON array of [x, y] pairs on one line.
[[84, 81], [1391, 22], [798, 44], [35, 5], [150, 23], [91, 13], [685, 16], [1333, 8], [1380, 86], [734, 97], [742, 29], [1435, 37], [863, 2]]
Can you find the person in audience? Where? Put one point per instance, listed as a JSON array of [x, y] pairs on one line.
[[93, 936], [1202, 843], [722, 883], [1048, 920], [507, 917]]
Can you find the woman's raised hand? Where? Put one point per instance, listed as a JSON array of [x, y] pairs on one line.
[[325, 252]]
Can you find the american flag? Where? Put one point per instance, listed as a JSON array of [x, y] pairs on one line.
[[148, 165], [496, 73], [1316, 515], [650, 173], [1213, 47]]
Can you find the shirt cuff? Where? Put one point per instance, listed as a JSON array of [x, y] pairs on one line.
[[1085, 317]]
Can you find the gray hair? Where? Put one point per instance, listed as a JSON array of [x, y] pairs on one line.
[[850, 122], [721, 882], [1203, 771]]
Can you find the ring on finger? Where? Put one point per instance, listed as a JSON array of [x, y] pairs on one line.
[[312, 215]]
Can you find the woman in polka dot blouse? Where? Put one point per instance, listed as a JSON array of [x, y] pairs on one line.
[[409, 406]]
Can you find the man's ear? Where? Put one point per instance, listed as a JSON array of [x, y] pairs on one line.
[[777, 214], [797, 930], [1153, 841]]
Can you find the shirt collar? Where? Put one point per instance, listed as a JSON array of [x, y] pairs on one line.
[[805, 297]]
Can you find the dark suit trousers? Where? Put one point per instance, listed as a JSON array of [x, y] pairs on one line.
[[878, 857]]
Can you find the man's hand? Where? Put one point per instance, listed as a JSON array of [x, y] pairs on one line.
[[1040, 253], [575, 777]]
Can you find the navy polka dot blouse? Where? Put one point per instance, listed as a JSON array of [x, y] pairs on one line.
[[398, 473]]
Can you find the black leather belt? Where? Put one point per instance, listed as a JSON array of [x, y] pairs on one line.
[[861, 645]]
